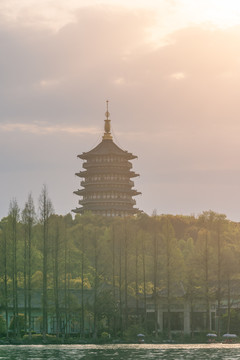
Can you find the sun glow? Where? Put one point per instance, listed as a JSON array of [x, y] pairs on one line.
[[180, 14], [223, 13], [170, 15]]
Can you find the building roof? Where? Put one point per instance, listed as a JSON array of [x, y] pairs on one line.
[[107, 147]]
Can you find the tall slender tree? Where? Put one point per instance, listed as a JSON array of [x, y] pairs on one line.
[[28, 219], [96, 282], [143, 251], [113, 274], [4, 260], [82, 284], [56, 275], [155, 273], [46, 209], [13, 218], [125, 275]]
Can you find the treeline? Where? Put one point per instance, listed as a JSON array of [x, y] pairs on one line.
[[105, 271]]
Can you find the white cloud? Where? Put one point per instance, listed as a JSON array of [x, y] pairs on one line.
[[47, 129], [49, 83], [178, 76], [120, 81]]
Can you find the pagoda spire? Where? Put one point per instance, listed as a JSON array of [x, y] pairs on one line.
[[107, 125]]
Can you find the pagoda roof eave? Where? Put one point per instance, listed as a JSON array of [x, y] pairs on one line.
[[107, 147], [81, 192], [77, 210], [84, 174], [106, 208]]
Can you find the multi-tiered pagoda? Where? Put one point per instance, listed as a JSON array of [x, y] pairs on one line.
[[107, 185]]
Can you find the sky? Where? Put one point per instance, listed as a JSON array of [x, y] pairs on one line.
[[171, 72]]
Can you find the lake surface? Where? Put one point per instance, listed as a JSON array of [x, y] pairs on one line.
[[121, 352]]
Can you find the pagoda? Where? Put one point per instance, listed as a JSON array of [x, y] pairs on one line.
[[107, 188]]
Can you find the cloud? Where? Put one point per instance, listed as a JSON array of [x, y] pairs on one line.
[[175, 106], [58, 73], [46, 129], [178, 76]]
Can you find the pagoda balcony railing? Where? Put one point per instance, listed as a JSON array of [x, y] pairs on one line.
[[108, 202], [103, 208], [124, 166], [99, 210], [107, 182], [117, 192], [105, 171]]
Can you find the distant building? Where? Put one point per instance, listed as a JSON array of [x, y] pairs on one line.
[[107, 185]]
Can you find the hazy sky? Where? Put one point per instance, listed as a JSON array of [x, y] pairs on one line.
[[171, 70]]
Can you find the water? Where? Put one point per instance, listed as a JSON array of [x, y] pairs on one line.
[[121, 352]]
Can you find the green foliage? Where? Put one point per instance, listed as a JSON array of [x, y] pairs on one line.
[[130, 334], [234, 322], [105, 335], [17, 321], [2, 326], [37, 280], [38, 339]]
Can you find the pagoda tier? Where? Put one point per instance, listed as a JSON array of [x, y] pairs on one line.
[[104, 192], [107, 172], [107, 188]]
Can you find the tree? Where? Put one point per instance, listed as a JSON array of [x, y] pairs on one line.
[[56, 242], [171, 265], [155, 272], [13, 220], [46, 209], [4, 261], [215, 223], [28, 219], [3, 329], [191, 276], [82, 285]]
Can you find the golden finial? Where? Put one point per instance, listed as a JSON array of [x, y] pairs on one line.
[[107, 125], [107, 113]]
